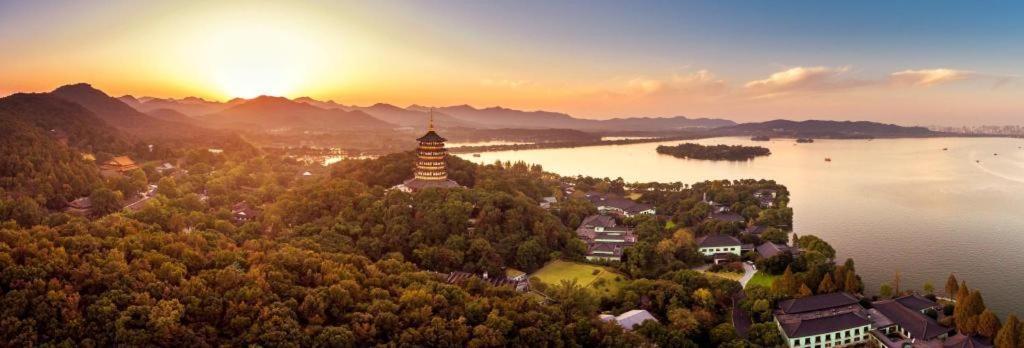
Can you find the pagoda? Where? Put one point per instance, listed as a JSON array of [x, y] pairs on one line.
[[431, 170]]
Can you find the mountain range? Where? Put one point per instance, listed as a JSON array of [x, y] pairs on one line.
[[414, 116], [824, 129]]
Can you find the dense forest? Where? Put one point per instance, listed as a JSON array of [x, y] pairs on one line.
[[338, 259], [714, 152]]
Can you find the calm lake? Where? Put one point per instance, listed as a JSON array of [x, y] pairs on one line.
[[892, 205]]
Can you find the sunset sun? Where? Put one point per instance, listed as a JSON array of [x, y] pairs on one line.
[[249, 60]]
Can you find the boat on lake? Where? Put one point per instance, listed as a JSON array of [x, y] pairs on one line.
[[805, 140]]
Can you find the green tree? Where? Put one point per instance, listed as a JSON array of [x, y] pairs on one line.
[[885, 291], [928, 288], [105, 201]]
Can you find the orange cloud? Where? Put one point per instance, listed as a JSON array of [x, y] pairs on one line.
[[929, 77], [803, 79]]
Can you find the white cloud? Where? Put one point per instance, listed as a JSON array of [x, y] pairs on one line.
[[803, 79], [929, 77]]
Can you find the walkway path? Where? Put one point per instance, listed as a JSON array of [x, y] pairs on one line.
[[748, 273]]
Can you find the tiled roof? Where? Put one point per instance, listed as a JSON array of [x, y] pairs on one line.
[[432, 136], [821, 325], [916, 302], [731, 217], [769, 249], [817, 302], [717, 240], [918, 325], [599, 220], [614, 201], [961, 341]]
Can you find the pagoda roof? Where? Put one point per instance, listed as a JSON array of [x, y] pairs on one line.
[[432, 136]]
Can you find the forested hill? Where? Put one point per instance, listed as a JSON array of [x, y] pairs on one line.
[[825, 129], [83, 129], [137, 124]]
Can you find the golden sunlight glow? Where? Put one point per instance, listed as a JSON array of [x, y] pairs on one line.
[[246, 59]]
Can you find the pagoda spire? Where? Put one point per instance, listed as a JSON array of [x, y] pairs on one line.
[[430, 126]]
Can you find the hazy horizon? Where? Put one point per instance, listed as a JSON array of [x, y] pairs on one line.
[[904, 63]]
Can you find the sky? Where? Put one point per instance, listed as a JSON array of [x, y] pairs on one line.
[[904, 62]]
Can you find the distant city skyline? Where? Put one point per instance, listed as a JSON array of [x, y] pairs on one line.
[[910, 62]]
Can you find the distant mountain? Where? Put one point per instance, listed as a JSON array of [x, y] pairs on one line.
[[503, 117], [171, 115], [62, 119], [414, 118], [268, 113], [117, 113], [190, 106], [111, 110], [330, 104], [825, 129]]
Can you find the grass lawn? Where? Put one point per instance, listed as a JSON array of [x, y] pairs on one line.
[[603, 283], [763, 279], [726, 275]]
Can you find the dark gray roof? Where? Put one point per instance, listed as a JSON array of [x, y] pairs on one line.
[[820, 325], [961, 341], [599, 220], [717, 240], [731, 217], [916, 302], [755, 229], [817, 302], [769, 249], [918, 325], [611, 200], [432, 136]]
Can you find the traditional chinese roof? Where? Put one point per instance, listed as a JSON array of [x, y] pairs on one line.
[[919, 326], [432, 137], [121, 161], [598, 220], [769, 249], [817, 303], [916, 302], [821, 325], [961, 341], [717, 240]]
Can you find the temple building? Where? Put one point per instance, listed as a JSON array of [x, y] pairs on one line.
[[117, 166], [431, 170]]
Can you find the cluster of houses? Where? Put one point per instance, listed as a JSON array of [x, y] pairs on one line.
[[840, 319], [605, 239], [608, 203]]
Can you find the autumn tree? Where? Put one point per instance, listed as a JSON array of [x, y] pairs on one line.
[[988, 324], [1010, 333], [952, 286], [826, 286]]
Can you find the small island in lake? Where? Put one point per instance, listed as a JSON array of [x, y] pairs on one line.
[[804, 140], [715, 152]]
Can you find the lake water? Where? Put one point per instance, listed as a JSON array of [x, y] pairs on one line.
[[891, 204]]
